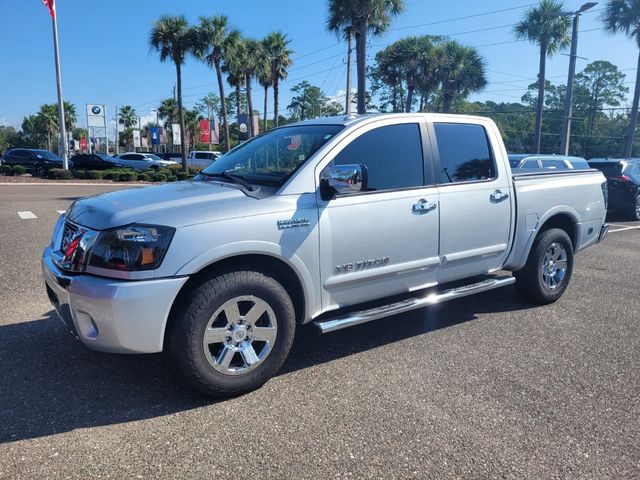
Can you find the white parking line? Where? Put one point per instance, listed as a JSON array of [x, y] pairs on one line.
[[624, 229], [26, 215], [61, 211]]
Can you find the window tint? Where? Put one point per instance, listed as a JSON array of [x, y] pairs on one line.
[[202, 155], [127, 157], [464, 153], [20, 154], [392, 155], [530, 164], [579, 164], [554, 164]]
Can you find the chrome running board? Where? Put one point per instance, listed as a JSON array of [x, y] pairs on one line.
[[363, 316]]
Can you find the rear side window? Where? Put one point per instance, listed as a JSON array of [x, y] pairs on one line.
[[464, 152], [530, 164], [392, 155], [554, 164], [202, 156], [610, 169]]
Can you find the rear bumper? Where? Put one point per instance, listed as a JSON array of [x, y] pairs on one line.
[[111, 315]]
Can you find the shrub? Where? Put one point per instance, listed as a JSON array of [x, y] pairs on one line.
[[19, 170], [59, 174], [159, 177], [128, 177], [6, 170], [182, 176], [112, 174], [80, 173], [172, 178], [175, 168], [166, 172], [143, 177], [195, 170], [93, 175]]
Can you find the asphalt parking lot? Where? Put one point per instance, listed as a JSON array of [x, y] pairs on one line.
[[485, 387]]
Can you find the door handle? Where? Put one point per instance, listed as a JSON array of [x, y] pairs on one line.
[[498, 196], [423, 206]]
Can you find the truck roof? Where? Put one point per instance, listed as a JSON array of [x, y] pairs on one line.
[[354, 119]]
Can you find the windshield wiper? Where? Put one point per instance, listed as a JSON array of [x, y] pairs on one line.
[[233, 178]]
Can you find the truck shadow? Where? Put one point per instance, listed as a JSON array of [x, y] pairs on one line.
[[51, 384]]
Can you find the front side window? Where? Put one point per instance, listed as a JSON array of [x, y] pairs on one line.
[[530, 164], [392, 155], [271, 158], [464, 151]]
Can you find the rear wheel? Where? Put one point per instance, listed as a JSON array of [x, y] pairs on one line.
[[634, 211], [233, 333], [548, 270]]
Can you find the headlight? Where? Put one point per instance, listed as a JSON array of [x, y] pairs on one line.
[[132, 248]]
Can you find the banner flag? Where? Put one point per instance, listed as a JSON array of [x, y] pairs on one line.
[[205, 131], [175, 132], [83, 143], [256, 125], [50, 5], [155, 135], [136, 139], [215, 133], [243, 127]]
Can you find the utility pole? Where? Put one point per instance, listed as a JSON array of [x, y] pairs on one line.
[[347, 106], [62, 145], [568, 103], [117, 134]]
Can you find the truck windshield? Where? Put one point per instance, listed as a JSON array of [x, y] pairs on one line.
[[272, 157]]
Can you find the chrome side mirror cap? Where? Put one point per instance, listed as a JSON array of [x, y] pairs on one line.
[[343, 179]]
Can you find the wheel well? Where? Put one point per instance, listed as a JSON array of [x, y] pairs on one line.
[[271, 266], [563, 222]]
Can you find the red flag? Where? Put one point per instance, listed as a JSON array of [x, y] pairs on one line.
[[50, 4], [205, 130]]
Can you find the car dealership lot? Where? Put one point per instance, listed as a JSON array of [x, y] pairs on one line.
[[486, 386]]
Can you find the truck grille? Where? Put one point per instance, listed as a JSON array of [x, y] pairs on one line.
[[68, 234]]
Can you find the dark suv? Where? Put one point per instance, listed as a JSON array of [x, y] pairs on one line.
[[623, 181], [38, 162]]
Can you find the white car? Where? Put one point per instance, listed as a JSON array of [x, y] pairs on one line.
[[143, 161], [203, 158]]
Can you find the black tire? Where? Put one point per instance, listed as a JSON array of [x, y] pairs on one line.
[[38, 171], [193, 318], [530, 281], [634, 210]]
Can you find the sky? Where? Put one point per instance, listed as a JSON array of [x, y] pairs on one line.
[[105, 55]]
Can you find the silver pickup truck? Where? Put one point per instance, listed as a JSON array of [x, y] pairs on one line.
[[336, 222]]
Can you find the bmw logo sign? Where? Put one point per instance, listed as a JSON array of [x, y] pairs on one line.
[[243, 128], [96, 110]]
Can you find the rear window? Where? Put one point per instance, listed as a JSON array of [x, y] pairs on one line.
[[610, 169], [464, 151], [553, 165]]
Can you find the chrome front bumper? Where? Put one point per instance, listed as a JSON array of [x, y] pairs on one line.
[[112, 315]]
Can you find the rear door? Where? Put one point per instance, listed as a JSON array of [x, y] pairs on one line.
[[475, 201], [383, 241]]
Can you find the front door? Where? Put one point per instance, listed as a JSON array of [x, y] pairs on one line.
[[383, 241], [475, 200]]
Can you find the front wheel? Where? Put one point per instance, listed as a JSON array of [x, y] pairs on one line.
[[233, 333], [548, 270], [634, 211]]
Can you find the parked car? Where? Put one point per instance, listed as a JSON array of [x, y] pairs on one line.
[[623, 181], [547, 162], [143, 161], [334, 221], [37, 161], [95, 161], [203, 158], [174, 157]]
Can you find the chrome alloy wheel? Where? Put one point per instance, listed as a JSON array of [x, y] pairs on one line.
[[638, 206], [554, 266], [240, 335]]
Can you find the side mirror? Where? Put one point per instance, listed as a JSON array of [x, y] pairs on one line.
[[341, 179]]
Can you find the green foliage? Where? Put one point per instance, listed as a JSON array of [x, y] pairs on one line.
[[159, 177], [183, 176], [9, 138], [93, 175], [143, 177], [128, 177], [6, 170], [79, 173], [310, 102], [172, 178], [59, 174], [19, 170], [195, 170]]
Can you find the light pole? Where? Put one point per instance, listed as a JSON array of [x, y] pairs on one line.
[[568, 102]]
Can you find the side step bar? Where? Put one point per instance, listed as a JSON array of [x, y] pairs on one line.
[[363, 316]]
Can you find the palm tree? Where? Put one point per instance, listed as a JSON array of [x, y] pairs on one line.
[[265, 76], [172, 38], [70, 116], [168, 111], [192, 125], [461, 71], [546, 26], [215, 38], [364, 16], [48, 116], [276, 46], [624, 16], [127, 117]]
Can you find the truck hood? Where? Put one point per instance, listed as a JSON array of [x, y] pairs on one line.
[[172, 204]]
